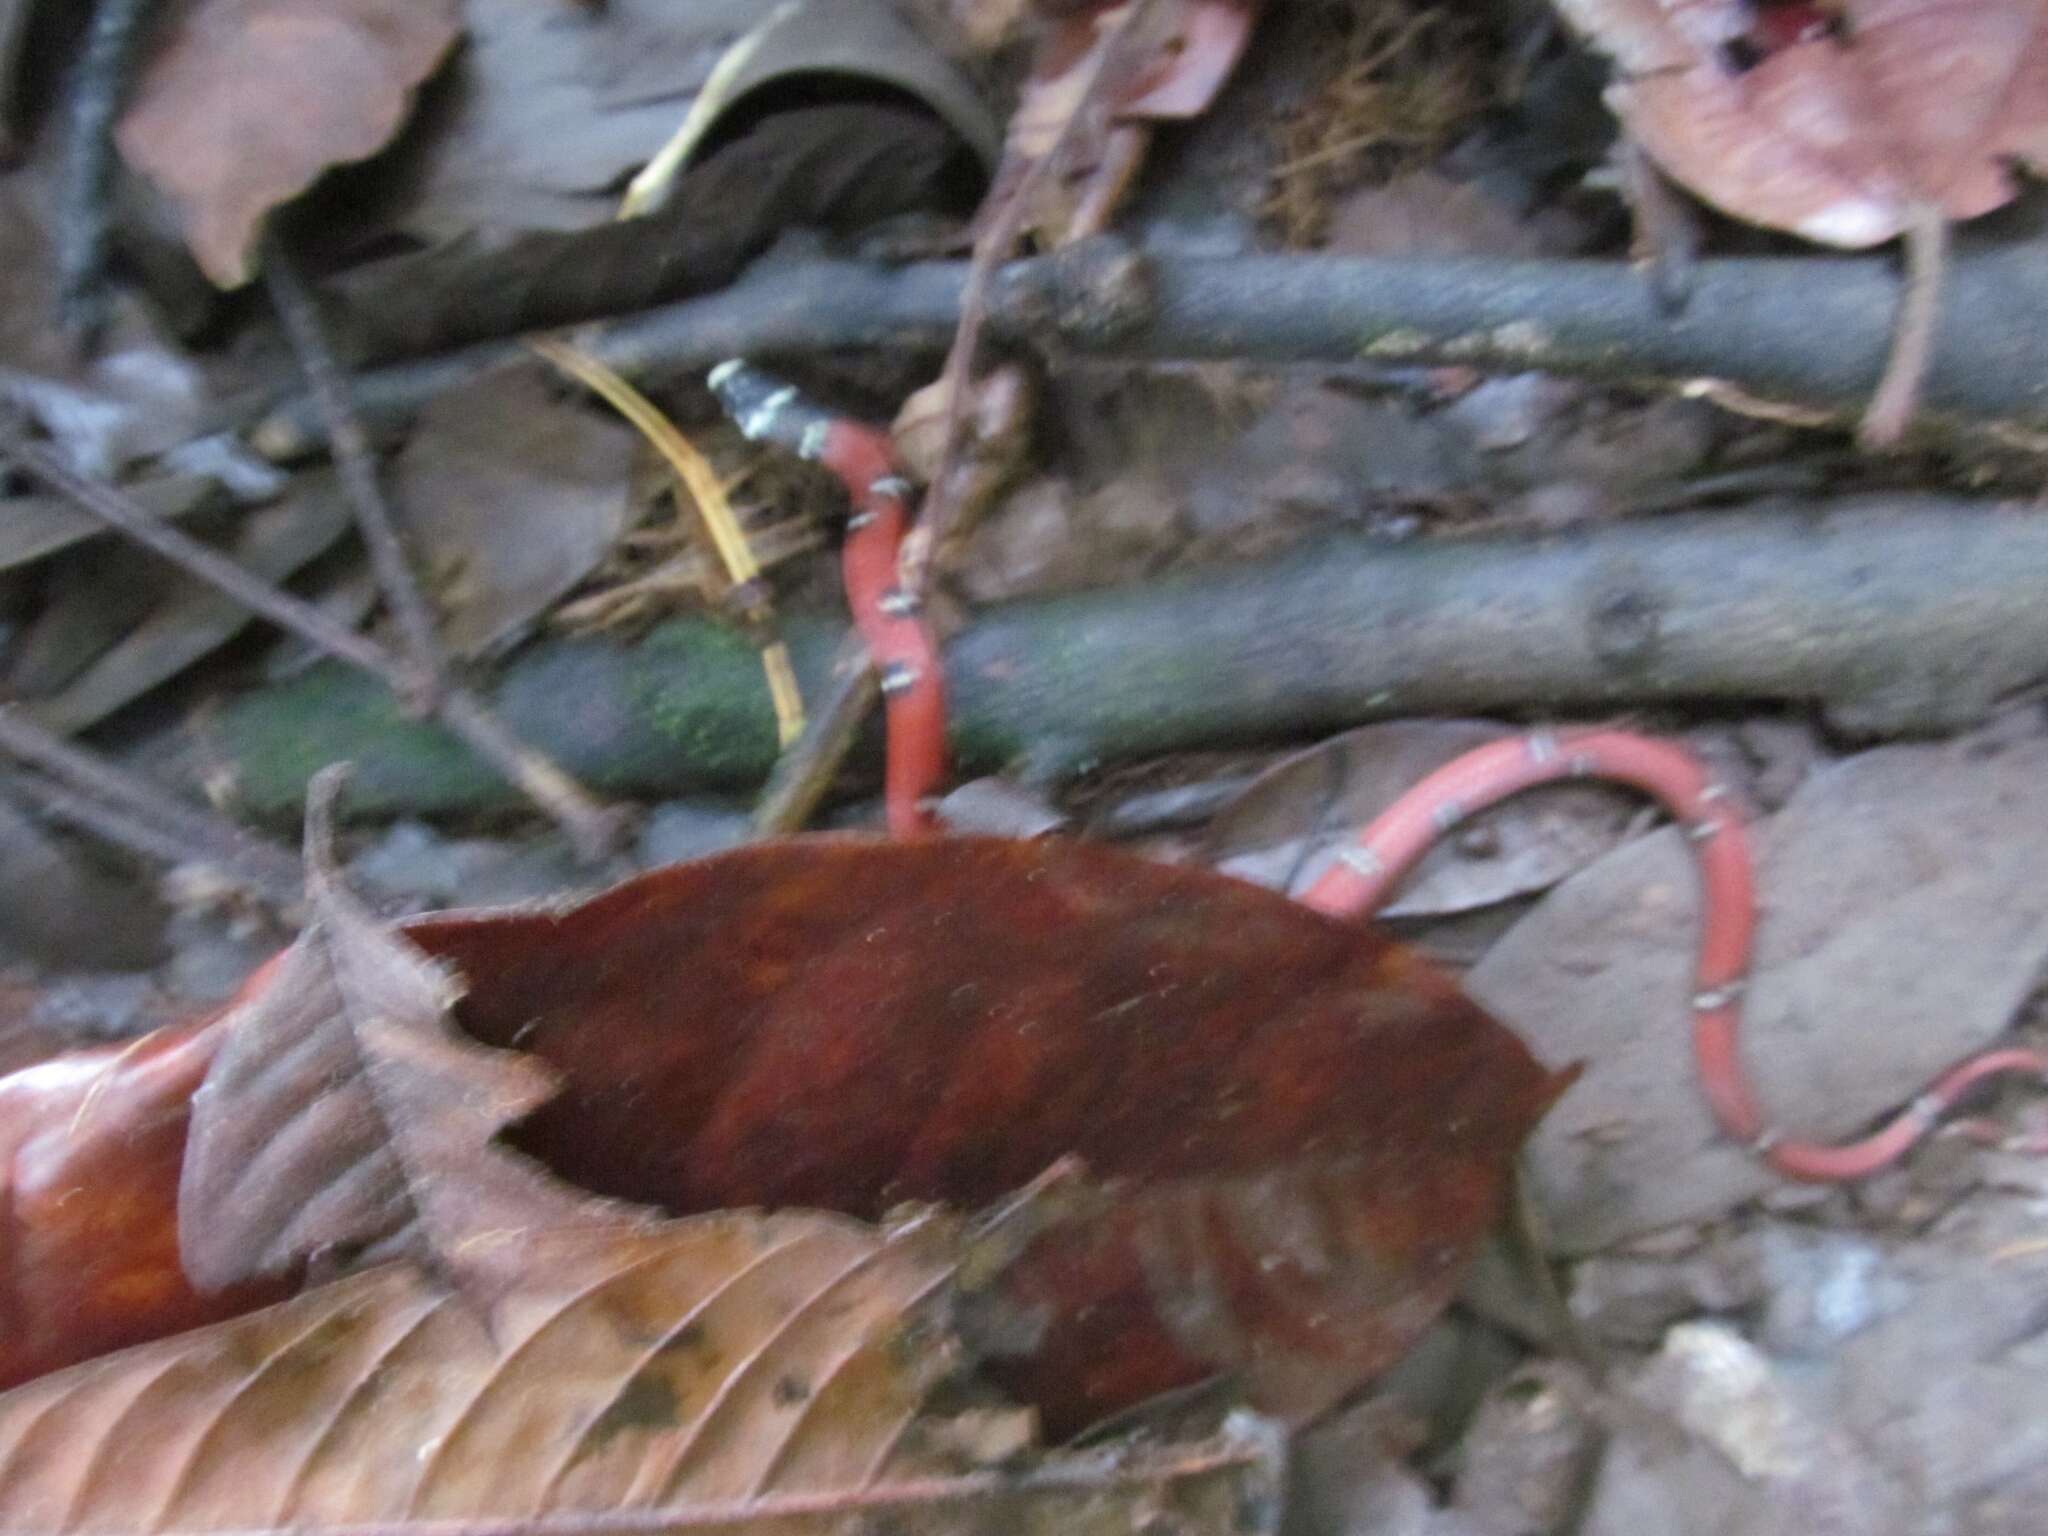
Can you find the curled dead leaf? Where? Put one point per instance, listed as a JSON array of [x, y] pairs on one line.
[[244, 104], [1303, 1126], [1838, 128], [345, 1117], [1101, 69]]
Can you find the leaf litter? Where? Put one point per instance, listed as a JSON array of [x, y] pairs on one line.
[[129, 1285], [1838, 132], [511, 496], [1260, 1092], [243, 104]]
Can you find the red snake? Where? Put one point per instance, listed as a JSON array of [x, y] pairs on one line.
[[1370, 866]]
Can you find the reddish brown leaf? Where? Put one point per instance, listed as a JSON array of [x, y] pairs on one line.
[[246, 102], [90, 1145], [1306, 1126], [765, 1370], [1303, 1126], [345, 1116], [1836, 131]]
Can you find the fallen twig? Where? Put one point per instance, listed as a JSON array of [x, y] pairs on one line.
[[356, 462], [1894, 615], [106, 799], [423, 677], [997, 243], [834, 165], [1808, 330], [113, 43], [118, 510], [895, 637], [803, 775], [595, 829], [1898, 392]]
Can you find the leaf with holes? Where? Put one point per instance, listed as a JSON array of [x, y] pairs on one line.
[[245, 103], [346, 1118], [1831, 120], [759, 1371]]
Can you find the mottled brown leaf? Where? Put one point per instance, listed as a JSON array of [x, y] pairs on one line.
[[766, 1370], [509, 495], [245, 103], [1834, 130], [346, 1118]]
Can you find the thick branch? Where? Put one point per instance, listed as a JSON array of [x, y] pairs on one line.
[[1895, 615], [1808, 330]]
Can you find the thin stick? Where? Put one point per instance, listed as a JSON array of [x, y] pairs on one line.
[[84, 228], [1806, 330], [132, 833], [1898, 391], [277, 889], [595, 828], [995, 246], [803, 775], [195, 832], [805, 772], [356, 462], [424, 679], [117, 509]]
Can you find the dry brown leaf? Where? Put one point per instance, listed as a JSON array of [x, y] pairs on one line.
[[347, 1118], [727, 1368], [188, 619], [1299, 1127], [512, 495], [246, 102], [1089, 84], [1838, 130]]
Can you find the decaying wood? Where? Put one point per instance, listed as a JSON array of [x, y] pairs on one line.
[[1894, 615]]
